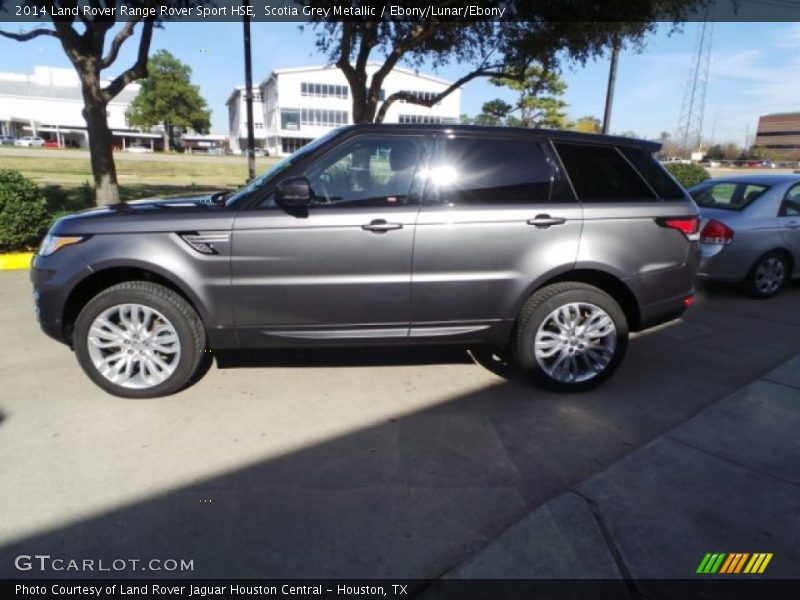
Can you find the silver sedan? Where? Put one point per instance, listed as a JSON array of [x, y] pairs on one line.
[[750, 231]]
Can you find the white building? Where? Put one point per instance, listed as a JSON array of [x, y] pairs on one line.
[[295, 106], [49, 103], [237, 119]]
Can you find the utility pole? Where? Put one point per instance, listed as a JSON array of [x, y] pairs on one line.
[[612, 81], [248, 97]]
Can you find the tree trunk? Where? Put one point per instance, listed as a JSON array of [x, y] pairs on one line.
[[166, 135], [100, 150]]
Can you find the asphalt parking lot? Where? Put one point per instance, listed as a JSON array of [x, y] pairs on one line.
[[360, 464]]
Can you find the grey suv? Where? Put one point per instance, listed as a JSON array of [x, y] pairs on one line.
[[540, 249]]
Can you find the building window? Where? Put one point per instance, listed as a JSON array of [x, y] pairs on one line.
[[323, 117], [420, 119], [289, 145], [290, 118], [324, 90], [427, 96]]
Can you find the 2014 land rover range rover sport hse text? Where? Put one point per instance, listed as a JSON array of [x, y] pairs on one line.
[[541, 249]]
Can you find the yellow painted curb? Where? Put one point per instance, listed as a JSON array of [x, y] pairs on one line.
[[20, 260]]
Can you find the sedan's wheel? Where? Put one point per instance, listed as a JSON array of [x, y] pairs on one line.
[[570, 336], [768, 276], [139, 340]]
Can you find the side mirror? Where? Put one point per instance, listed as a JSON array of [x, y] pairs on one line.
[[294, 192]]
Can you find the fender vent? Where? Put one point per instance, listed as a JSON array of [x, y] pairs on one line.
[[204, 243]]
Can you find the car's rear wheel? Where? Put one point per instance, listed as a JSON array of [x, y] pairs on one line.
[[570, 336], [768, 275], [139, 340]]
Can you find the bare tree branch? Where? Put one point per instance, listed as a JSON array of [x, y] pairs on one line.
[[139, 69], [487, 71], [117, 42], [28, 35]]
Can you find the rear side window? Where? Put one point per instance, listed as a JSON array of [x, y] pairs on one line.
[[601, 173], [489, 171], [729, 195], [649, 168]]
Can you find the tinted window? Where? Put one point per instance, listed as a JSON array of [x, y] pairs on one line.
[[490, 171], [601, 173], [654, 173], [728, 195], [366, 171]]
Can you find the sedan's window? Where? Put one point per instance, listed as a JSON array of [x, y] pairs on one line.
[[367, 171], [489, 171], [791, 204], [728, 195], [601, 173]]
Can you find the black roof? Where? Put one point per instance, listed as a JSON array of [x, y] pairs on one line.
[[555, 134]]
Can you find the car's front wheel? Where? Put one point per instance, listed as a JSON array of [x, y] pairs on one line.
[[139, 339], [570, 336]]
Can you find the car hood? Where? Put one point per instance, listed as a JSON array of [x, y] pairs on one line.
[[181, 213]]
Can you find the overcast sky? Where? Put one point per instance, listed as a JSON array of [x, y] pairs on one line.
[[755, 70]]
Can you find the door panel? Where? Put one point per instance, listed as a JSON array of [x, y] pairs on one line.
[[342, 269], [493, 222]]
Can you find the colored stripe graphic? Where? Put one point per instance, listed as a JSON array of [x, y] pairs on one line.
[[711, 562], [728, 563], [758, 563], [734, 563]]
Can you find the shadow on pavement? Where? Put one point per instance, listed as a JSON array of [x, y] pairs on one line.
[[412, 496]]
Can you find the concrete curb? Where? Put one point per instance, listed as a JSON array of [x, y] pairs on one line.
[[16, 261], [726, 478]]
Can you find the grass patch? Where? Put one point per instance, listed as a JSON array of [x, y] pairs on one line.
[[67, 181]]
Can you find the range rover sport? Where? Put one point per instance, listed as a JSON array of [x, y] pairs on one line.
[[541, 249]]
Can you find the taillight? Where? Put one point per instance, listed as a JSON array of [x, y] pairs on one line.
[[688, 226], [716, 232]]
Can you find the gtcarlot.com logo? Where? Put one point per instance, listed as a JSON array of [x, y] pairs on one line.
[[45, 562], [734, 563]]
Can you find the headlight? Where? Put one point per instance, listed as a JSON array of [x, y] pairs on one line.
[[51, 243]]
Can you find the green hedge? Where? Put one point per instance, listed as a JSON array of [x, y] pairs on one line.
[[24, 217], [688, 175]]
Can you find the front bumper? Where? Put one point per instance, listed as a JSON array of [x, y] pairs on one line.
[[53, 278]]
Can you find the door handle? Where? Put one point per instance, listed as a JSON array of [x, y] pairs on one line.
[[545, 221], [381, 226], [792, 225]]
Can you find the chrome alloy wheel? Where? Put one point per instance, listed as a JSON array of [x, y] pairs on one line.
[[770, 275], [134, 346], [575, 342]]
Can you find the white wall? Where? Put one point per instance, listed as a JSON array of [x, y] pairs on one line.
[[51, 96]]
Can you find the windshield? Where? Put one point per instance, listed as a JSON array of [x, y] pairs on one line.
[[262, 180]]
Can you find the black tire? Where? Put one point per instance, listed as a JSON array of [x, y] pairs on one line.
[[538, 309], [174, 308], [768, 276]]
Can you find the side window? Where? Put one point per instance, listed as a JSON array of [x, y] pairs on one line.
[[367, 171], [601, 173], [729, 195], [489, 171], [649, 168], [791, 204]]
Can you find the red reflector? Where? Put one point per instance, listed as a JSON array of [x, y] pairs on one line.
[[716, 233], [686, 226], [688, 301]]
